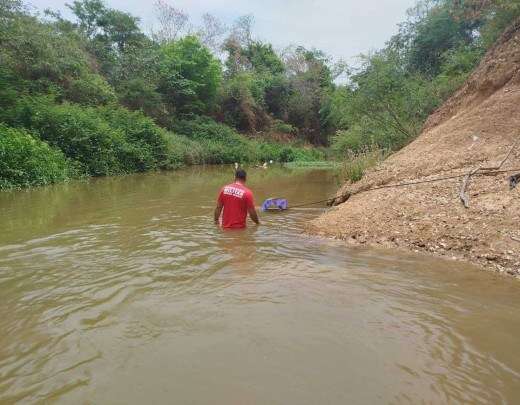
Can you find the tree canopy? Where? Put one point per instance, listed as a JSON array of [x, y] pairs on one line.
[[189, 76], [107, 97]]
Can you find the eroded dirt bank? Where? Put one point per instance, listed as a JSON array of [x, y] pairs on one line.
[[476, 127]]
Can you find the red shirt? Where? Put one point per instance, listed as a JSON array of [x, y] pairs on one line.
[[236, 199]]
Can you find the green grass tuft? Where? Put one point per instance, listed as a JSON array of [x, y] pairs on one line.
[[356, 165]]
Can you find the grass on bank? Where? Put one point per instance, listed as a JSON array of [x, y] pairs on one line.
[[350, 167], [355, 166], [313, 164]]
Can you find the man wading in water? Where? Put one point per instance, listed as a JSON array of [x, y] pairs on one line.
[[236, 200]]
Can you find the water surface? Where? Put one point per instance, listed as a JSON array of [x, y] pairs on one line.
[[122, 291]]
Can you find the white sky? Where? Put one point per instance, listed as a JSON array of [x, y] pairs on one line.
[[341, 28]]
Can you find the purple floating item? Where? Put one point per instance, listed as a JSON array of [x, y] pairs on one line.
[[275, 204]]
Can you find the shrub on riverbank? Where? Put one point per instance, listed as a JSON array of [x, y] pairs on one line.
[[221, 144], [104, 140], [108, 140], [26, 161]]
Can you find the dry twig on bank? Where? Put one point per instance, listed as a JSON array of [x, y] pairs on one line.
[[464, 197]]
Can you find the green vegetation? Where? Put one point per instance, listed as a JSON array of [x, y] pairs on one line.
[[356, 164], [27, 161], [220, 144], [189, 76], [318, 164], [388, 98], [97, 96]]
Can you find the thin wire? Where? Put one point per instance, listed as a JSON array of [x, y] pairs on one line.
[[411, 183]]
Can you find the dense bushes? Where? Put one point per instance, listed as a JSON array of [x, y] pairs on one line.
[[81, 135], [89, 90], [151, 146], [109, 140], [221, 144], [27, 161], [104, 140]]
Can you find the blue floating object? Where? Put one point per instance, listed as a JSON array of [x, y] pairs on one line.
[[275, 204]]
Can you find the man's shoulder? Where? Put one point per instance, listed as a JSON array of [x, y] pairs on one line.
[[248, 194], [246, 189]]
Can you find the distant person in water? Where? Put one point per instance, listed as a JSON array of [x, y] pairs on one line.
[[237, 201]]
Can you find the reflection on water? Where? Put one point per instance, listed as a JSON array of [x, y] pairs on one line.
[[123, 291]]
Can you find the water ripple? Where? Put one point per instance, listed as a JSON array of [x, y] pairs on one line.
[[149, 302]]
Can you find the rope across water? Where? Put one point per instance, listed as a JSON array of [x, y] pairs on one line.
[[411, 183]]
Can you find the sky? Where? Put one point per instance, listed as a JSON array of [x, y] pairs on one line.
[[343, 29]]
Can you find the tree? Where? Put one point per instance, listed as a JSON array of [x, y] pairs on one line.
[[242, 103], [110, 33], [310, 81], [262, 58], [236, 61], [495, 16], [42, 59], [119, 28], [383, 105], [255, 86], [276, 96], [236, 44], [242, 30], [211, 32], [189, 76], [88, 13], [437, 33], [173, 22], [135, 76], [105, 25]]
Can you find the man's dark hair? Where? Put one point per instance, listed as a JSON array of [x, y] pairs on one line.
[[241, 174]]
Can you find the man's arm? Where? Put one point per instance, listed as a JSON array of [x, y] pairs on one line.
[[250, 201], [253, 215], [218, 211]]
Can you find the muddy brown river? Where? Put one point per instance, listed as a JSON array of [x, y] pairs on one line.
[[122, 291]]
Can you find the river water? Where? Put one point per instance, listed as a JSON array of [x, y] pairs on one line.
[[122, 291]]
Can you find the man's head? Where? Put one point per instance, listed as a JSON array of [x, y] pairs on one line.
[[241, 175]]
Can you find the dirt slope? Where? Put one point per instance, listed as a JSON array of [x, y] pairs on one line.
[[476, 127]]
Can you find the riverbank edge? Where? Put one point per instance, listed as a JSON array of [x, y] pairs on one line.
[[479, 263], [296, 164], [469, 217]]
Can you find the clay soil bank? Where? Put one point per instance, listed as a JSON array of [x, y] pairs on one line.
[[476, 127]]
